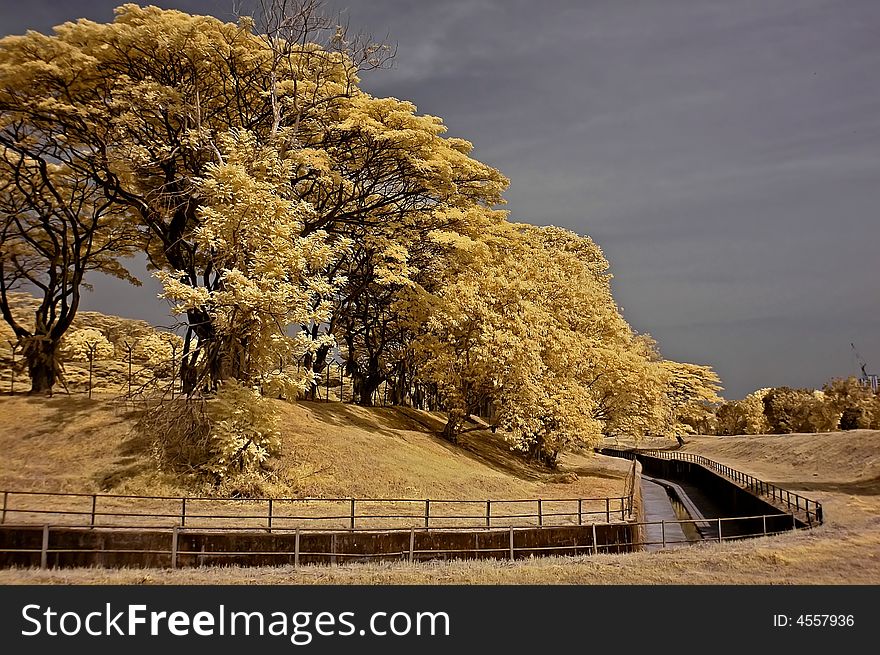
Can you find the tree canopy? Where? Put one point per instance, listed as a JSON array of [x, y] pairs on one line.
[[293, 219]]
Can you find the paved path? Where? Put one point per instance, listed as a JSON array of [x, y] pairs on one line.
[[657, 507]]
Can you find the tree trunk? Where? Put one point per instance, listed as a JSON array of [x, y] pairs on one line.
[[41, 354], [318, 363], [453, 425], [397, 395], [365, 386]]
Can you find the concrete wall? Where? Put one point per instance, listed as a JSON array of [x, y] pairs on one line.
[[725, 493], [105, 547]]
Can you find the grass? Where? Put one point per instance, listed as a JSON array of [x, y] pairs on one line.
[[359, 451], [330, 450]]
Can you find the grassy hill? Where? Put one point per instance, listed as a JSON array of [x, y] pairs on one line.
[[71, 443], [836, 469]]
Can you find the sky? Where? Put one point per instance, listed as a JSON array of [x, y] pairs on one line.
[[725, 154]]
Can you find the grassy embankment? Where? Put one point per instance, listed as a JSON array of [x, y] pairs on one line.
[[78, 445]]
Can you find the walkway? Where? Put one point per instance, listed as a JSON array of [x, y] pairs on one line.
[[658, 507]]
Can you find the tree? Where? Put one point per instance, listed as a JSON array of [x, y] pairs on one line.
[[146, 98], [82, 345], [269, 276], [798, 410], [744, 416], [692, 397], [55, 227], [857, 405], [527, 323]]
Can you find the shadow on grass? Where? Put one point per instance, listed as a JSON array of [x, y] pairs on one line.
[[476, 444]]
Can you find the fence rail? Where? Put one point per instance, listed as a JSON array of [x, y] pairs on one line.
[[406, 546], [793, 502], [107, 510]]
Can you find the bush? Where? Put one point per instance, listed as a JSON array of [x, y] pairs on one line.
[[799, 410]]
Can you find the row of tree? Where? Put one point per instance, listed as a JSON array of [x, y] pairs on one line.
[[841, 404], [294, 218]]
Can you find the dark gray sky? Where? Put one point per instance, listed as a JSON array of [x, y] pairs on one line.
[[724, 153]]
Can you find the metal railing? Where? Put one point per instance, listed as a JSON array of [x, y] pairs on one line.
[[811, 509], [723, 530], [107, 510]]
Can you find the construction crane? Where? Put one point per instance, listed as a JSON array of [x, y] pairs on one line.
[[868, 379]]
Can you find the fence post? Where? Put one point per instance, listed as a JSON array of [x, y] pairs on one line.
[[511, 544], [173, 367], [719, 530], [412, 543], [5, 500], [128, 348], [174, 537], [296, 549], [663, 532], [765, 524], [595, 543], [91, 348], [580, 512], [540, 514], [183, 512], [488, 513], [44, 551], [607, 510], [270, 515], [94, 502], [352, 514], [427, 512]]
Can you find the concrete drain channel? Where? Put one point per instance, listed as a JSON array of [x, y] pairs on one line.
[[687, 498], [680, 521]]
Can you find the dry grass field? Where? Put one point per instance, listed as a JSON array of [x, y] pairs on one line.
[[70, 444]]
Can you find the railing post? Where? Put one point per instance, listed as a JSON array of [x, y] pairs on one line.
[[296, 549], [94, 502], [174, 538], [595, 542], [412, 543], [351, 524], [182, 512], [765, 524], [540, 514], [427, 512], [793, 521], [607, 510], [719, 529], [488, 512], [5, 501], [270, 515], [44, 550], [663, 532], [622, 510], [511, 544], [580, 512]]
